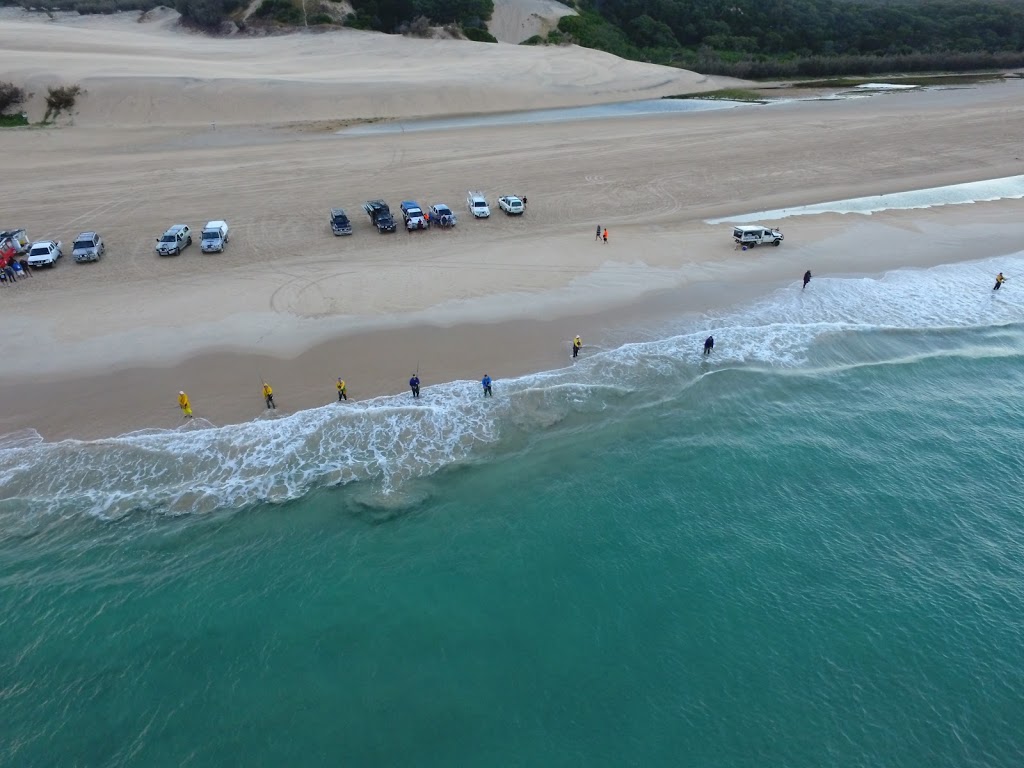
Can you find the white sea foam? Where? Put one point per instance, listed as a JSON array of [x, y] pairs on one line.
[[885, 87], [392, 440], [1007, 188]]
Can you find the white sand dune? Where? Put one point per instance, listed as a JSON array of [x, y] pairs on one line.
[[154, 74], [517, 20]]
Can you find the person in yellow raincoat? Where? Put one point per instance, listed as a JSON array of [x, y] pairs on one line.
[[184, 404], [268, 395], [342, 390]]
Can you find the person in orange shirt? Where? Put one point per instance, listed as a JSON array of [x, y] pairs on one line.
[[606, 235]]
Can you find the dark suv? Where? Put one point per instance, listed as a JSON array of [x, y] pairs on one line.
[[340, 225]]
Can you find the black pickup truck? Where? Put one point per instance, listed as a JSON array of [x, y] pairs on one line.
[[380, 215]]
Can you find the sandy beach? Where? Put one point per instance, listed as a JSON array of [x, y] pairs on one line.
[[176, 127]]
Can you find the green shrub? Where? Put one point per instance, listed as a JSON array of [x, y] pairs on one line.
[[479, 35], [11, 96], [60, 99], [281, 11]]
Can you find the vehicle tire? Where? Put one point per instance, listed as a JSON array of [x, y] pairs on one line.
[[189, 241], [751, 245], [776, 243]]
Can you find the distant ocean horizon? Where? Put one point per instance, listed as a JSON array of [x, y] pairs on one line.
[[803, 550]]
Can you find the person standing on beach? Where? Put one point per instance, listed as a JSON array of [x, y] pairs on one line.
[[184, 404], [606, 235], [807, 278], [268, 395], [576, 344], [709, 344], [414, 385], [342, 390], [598, 235], [999, 281], [486, 381]]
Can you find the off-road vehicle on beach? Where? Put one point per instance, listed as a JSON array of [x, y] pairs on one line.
[[18, 239], [340, 225], [88, 246], [441, 215], [174, 240], [215, 236], [511, 205], [756, 235], [413, 216], [45, 253], [477, 204], [380, 215]]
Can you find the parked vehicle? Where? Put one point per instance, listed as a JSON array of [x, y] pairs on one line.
[[441, 215], [511, 205], [44, 253], [478, 205], [756, 235], [340, 225], [7, 253], [19, 239], [380, 215], [88, 246], [174, 240], [215, 237], [413, 216]]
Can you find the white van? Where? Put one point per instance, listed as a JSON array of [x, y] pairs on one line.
[[756, 235]]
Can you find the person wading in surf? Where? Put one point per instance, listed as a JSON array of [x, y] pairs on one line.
[[709, 344], [184, 404], [807, 278], [414, 385], [999, 281]]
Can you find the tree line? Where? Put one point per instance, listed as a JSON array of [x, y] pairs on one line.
[[777, 38]]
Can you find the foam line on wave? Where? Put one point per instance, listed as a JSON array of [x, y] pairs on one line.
[[390, 441]]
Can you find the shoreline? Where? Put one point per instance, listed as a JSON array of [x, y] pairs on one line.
[[224, 383], [100, 349]]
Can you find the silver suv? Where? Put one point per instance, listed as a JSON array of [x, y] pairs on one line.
[[174, 240], [88, 247]]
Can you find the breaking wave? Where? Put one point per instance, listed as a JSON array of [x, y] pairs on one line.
[[389, 441]]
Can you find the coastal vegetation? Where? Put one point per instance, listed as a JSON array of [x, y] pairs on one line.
[[11, 97], [740, 38], [60, 99], [801, 38]]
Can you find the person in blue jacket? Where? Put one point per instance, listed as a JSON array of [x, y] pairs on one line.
[[414, 385], [486, 381]]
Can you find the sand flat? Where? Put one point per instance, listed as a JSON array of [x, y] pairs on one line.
[[295, 303]]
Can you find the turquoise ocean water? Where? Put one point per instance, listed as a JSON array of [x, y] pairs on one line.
[[806, 551]]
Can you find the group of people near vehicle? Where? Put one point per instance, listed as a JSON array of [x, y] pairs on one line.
[[486, 382], [14, 270]]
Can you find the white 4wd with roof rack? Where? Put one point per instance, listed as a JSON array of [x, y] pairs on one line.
[[756, 235]]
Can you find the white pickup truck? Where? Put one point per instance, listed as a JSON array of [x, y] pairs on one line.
[[756, 235], [477, 204], [44, 253], [215, 237]]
